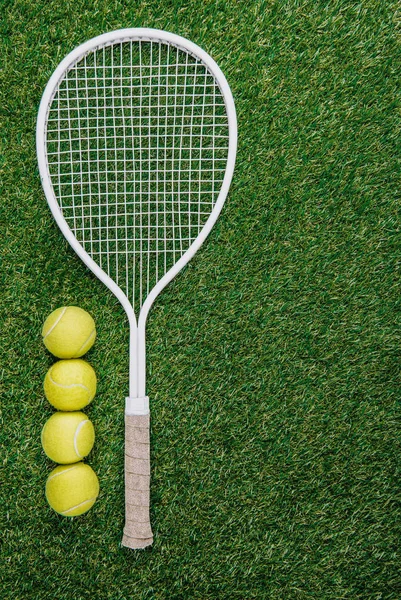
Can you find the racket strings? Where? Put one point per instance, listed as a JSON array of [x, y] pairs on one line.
[[137, 145]]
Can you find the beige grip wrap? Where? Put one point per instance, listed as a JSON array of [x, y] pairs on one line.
[[137, 530]]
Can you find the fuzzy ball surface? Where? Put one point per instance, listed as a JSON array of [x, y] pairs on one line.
[[70, 384], [67, 437], [71, 490], [69, 332]]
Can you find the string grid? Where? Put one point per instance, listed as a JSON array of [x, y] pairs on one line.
[[137, 144]]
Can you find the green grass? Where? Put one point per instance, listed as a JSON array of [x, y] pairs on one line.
[[274, 370]]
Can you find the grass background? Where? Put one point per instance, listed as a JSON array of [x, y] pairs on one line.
[[274, 366]]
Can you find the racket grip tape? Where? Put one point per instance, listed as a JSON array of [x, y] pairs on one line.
[[137, 530]]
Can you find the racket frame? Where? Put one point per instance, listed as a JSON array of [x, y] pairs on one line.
[[137, 352]]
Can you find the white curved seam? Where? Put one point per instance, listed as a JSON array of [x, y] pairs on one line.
[[78, 505], [56, 323], [78, 429], [61, 472], [86, 341], [72, 385]]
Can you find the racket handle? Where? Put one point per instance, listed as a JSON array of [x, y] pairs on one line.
[[137, 530]]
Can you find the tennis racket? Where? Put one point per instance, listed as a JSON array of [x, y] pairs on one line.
[[136, 143]]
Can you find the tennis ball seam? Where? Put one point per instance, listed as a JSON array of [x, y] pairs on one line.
[[93, 332], [78, 429], [51, 477], [77, 506], [56, 322], [71, 385]]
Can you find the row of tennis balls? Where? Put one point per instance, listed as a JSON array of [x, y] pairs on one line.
[[68, 436]]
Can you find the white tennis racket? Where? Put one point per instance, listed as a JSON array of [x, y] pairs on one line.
[[136, 142]]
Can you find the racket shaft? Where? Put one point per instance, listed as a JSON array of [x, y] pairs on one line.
[[137, 530]]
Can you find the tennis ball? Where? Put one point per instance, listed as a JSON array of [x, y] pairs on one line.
[[67, 437], [70, 384], [71, 490], [69, 332]]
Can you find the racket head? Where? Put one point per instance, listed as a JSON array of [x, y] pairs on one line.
[[51, 143]]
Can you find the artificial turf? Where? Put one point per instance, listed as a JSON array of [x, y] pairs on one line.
[[273, 359]]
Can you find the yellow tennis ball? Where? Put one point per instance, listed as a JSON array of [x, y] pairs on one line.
[[69, 332], [67, 437], [70, 384], [71, 490]]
